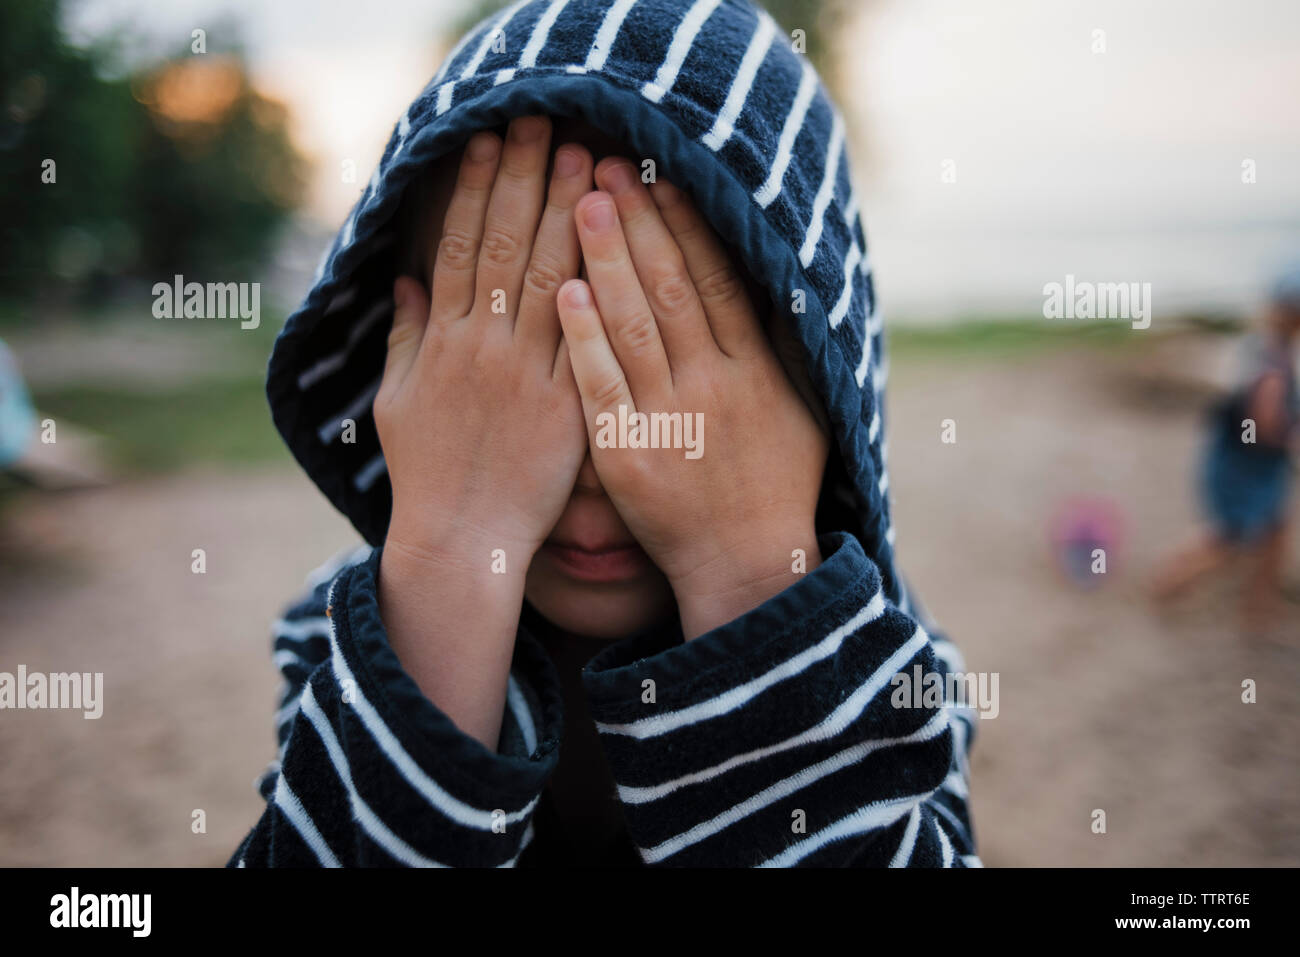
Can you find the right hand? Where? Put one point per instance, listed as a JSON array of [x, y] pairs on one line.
[[478, 414]]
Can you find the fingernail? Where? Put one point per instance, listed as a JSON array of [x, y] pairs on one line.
[[599, 214], [578, 294], [567, 163], [619, 177]]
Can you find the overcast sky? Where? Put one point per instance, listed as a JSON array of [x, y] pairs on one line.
[[1049, 140]]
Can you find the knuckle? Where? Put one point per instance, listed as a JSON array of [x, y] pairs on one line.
[[672, 292], [607, 391], [543, 278], [499, 247], [638, 334], [720, 285], [457, 249]]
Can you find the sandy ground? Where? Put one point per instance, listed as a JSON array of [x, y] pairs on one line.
[[1104, 702]]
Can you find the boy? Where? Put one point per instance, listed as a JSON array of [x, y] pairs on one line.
[[450, 700]]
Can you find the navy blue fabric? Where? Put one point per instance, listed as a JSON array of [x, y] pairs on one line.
[[351, 297]]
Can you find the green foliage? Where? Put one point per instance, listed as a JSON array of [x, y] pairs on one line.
[[192, 181]]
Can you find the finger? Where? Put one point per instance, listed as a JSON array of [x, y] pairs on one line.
[[512, 214], [659, 264], [622, 305], [556, 254], [600, 378], [410, 318], [455, 261], [721, 289]]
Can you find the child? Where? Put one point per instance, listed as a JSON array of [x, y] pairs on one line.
[[1246, 474], [567, 647]]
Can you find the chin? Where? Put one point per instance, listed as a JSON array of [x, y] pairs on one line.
[[607, 611]]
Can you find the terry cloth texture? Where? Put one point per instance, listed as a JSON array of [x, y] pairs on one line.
[[782, 715]]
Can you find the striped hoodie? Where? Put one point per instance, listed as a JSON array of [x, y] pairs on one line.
[[777, 739]]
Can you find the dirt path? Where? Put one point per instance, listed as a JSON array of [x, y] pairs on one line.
[[1104, 704]]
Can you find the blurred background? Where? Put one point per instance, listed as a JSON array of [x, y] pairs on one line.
[[999, 147]]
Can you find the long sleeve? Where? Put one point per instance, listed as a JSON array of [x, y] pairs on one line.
[[782, 738], [372, 773]]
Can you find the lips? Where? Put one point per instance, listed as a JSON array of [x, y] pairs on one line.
[[598, 562]]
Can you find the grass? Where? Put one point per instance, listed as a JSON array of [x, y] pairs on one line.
[[222, 421]]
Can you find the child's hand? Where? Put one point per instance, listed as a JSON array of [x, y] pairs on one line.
[[477, 413], [672, 330]]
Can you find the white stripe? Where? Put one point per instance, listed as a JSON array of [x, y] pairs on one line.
[[971, 860], [523, 714], [860, 374], [498, 28], [286, 713], [451, 57], [834, 150], [833, 724], [678, 50], [336, 360], [444, 96], [331, 429], [369, 821], [793, 124], [349, 227], [369, 472], [955, 784], [947, 846], [451, 807], [873, 817], [297, 815], [938, 808], [783, 788], [904, 853], [302, 628], [874, 429], [329, 569], [504, 76], [846, 296], [729, 701], [759, 43], [288, 659], [540, 32], [607, 33]]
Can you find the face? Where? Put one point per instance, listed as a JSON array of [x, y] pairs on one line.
[[590, 578]]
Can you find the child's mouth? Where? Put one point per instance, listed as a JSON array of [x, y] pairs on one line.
[[603, 563]]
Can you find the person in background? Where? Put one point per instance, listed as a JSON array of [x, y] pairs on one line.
[[1246, 471]]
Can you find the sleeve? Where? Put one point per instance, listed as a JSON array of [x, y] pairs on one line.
[[371, 773], [811, 731]]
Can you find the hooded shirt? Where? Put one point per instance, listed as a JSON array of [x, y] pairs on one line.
[[791, 735]]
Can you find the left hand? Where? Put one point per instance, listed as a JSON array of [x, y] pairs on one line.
[[665, 324]]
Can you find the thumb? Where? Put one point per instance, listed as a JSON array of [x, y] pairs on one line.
[[410, 316]]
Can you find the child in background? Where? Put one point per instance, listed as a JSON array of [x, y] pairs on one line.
[[1246, 473]]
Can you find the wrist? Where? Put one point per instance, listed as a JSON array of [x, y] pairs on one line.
[[741, 576]]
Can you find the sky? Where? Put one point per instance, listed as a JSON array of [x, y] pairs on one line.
[[1115, 164]]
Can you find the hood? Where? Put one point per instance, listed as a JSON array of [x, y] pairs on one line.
[[714, 92]]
